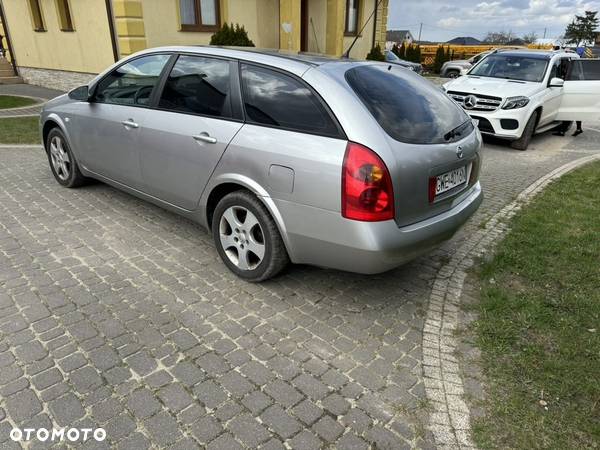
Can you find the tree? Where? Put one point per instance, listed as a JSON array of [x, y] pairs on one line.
[[396, 51], [376, 54], [231, 35], [440, 56], [530, 38], [499, 37], [582, 29], [402, 54]]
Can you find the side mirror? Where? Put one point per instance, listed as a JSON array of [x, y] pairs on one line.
[[80, 93], [557, 82]]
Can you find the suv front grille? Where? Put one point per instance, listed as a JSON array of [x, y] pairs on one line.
[[476, 102]]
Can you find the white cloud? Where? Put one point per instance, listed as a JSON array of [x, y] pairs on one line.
[[445, 19]]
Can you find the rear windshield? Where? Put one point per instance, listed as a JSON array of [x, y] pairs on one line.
[[409, 108]]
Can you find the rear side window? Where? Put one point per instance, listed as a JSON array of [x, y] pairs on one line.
[[198, 85], [408, 108], [275, 99], [587, 69]]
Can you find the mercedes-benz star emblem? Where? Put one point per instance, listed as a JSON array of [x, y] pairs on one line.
[[470, 102], [459, 152]]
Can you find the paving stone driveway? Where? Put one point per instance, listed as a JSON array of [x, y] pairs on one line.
[[115, 313]]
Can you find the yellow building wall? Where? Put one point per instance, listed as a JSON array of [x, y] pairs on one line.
[[259, 17], [87, 49]]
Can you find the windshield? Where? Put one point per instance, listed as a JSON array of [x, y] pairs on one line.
[[522, 68], [408, 107]]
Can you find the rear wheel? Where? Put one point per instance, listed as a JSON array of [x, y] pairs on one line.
[[247, 237], [523, 142], [62, 160]]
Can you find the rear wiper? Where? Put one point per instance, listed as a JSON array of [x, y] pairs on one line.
[[456, 132]]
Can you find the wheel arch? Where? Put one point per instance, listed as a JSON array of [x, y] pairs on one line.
[[228, 183], [51, 122]]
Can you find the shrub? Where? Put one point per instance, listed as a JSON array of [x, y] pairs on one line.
[[376, 54], [231, 35]]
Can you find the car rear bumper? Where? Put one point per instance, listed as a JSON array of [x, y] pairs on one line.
[[324, 238]]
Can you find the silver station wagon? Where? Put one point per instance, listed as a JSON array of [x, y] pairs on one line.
[[353, 165]]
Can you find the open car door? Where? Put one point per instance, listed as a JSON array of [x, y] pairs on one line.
[[581, 92]]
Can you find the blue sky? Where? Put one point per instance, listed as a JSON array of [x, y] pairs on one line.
[[445, 19]]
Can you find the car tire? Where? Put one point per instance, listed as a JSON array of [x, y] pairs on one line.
[[453, 74], [523, 142], [247, 238], [62, 160]]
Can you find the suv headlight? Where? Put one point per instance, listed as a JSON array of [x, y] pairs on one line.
[[515, 102]]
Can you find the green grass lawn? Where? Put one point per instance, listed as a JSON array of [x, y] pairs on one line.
[[11, 101], [19, 130], [539, 324]]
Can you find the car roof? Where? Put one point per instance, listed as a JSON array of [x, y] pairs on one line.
[[295, 62]]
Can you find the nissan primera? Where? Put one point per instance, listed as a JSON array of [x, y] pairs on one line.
[[353, 165]]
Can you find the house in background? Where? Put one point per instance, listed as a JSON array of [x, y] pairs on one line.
[[399, 37], [64, 43]]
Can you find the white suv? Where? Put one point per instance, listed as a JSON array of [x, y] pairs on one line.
[[517, 93]]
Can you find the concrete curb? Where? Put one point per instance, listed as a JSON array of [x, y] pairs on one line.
[[9, 146], [449, 419]]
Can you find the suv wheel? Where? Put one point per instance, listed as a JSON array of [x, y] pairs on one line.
[[62, 161], [523, 142], [453, 74], [247, 237]]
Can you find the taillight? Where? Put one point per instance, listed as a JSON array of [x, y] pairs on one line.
[[367, 192]]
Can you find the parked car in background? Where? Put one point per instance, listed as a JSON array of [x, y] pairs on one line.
[[354, 165], [458, 67], [516, 94], [391, 57]]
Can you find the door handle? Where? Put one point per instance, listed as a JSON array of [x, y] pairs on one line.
[[205, 137], [129, 123]]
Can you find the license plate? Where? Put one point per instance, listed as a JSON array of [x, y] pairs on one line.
[[450, 180]]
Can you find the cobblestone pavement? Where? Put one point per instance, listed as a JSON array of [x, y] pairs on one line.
[[115, 313]]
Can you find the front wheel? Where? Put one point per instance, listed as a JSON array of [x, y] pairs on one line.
[[453, 74], [62, 160], [523, 142], [247, 238]]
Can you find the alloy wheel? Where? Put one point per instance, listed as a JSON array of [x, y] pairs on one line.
[[60, 158], [242, 237]]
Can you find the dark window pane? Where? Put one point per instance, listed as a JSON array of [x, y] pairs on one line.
[[272, 98], [591, 69], [132, 83], [409, 108], [198, 85], [36, 12], [351, 16], [208, 10], [187, 9]]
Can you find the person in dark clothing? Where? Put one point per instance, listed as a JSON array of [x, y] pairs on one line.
[[565, 127]]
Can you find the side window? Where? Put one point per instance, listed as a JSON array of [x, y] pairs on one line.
[[132, 83], [272, 98], [198, 85], [575, 72], [590, 69]]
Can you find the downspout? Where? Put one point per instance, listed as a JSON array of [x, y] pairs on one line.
[[111, 27], [375, 23], [8, 41]]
